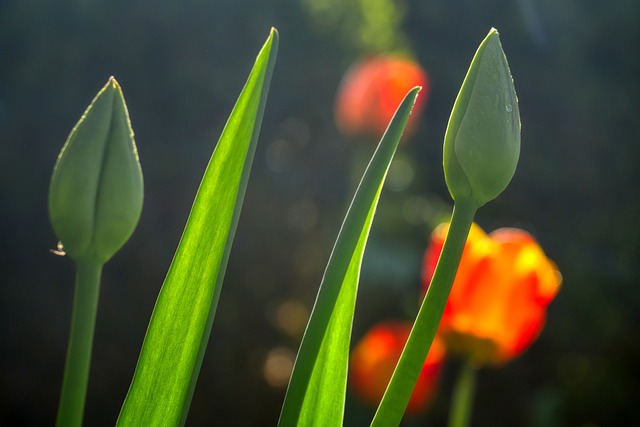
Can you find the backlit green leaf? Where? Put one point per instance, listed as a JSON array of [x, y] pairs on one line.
[[177, 336], [317, 388]]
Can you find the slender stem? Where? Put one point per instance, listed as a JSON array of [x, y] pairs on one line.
[[405, 376], [463, 394], [76, 369]]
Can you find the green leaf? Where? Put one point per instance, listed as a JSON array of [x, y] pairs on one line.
[[171, 356], [317, 388]]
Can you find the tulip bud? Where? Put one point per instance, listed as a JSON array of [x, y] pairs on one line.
[[96, 191], [482, 141]]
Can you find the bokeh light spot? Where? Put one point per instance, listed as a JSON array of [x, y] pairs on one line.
[[278, 366], [291, 317]]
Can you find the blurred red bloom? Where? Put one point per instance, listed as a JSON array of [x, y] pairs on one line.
[[372, 90], [499, 296], [375, 356]]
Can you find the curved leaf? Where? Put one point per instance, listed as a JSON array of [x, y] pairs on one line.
[[317, 388]]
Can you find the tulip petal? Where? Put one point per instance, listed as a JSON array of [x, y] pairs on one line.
[[375, 356], [497, 304]]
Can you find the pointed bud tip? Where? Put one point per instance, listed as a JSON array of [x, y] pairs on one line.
[[114, 83], [492, 37]]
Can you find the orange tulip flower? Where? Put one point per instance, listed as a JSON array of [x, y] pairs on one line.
[[374, 359], [497, 304], [372, 90]]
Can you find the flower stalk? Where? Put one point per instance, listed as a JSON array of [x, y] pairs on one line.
[[463, 394], [424, 329], [83, 320]]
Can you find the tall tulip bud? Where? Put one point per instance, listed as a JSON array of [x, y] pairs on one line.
[[482, 141], [96, 191]]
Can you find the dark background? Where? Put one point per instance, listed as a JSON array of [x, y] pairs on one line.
[[182, 64]]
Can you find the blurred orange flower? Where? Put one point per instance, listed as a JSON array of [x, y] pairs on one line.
[[499, 296], [374, 359], [372, 90]]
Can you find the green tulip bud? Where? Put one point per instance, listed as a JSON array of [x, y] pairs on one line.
[[95, 196], [482, 141]]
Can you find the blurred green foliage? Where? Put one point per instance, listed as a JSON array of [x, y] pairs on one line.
[[181, 65], [370, 26]]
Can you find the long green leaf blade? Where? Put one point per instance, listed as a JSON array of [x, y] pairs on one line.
[[317, 388], [178, 332]]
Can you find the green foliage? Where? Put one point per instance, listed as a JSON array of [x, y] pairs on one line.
[[179, 329], [372, 26], [96, 191], [582, 119], [480, 153], [316, 393]]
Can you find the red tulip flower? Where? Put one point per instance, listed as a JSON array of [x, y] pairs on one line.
[[372, 90], [497, 306], [374, 359]]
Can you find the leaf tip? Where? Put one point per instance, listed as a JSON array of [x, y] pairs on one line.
[[274, 37]]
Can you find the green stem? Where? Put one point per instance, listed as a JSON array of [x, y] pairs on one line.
[[405, 376], [83, 319], [463, 394]]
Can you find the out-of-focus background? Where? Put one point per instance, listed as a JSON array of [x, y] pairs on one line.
[[182, 65]]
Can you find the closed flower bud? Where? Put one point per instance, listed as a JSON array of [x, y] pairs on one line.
[[96, 191], [482, 141]]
